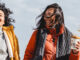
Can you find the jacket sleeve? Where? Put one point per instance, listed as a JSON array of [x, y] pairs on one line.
[[74, 56], [30, 47], [16, 46], [17, 49]]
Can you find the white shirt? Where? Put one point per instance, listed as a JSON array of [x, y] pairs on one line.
[[3, 46]]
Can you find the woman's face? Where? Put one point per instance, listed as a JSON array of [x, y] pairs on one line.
[[49, 18], [2, 18]]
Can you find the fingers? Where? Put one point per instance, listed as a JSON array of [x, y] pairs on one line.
[[78, 42], [77, 46], [75, 51]]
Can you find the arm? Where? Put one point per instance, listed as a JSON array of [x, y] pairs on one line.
[[30, 47], [17, 49], [75, 53], [16, 46]]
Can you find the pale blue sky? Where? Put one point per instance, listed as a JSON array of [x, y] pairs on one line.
[[25, 12]]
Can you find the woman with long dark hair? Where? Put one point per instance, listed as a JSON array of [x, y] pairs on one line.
[[9, 47], [51, 39]]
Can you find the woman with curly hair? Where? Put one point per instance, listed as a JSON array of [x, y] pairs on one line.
[[9, 47], [51, 39]]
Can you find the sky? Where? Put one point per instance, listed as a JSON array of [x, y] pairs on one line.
[[26, 11]]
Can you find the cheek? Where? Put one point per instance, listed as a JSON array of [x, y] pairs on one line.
[[53, 17], [2, 20], [45, 19]]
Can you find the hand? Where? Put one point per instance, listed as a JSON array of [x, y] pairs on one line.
[[77, 46]]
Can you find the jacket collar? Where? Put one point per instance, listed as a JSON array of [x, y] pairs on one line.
[[7, 27]]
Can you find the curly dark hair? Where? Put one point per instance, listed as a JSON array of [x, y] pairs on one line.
[[59, 17], [7, 13]]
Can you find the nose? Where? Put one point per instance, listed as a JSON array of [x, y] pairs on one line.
[[49, 13]]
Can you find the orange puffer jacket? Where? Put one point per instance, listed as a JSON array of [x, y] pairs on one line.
[[49, 51]]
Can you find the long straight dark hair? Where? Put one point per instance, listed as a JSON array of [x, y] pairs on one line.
[[59, 17]]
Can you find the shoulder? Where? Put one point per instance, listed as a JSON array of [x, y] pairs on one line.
[[34, 32]]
